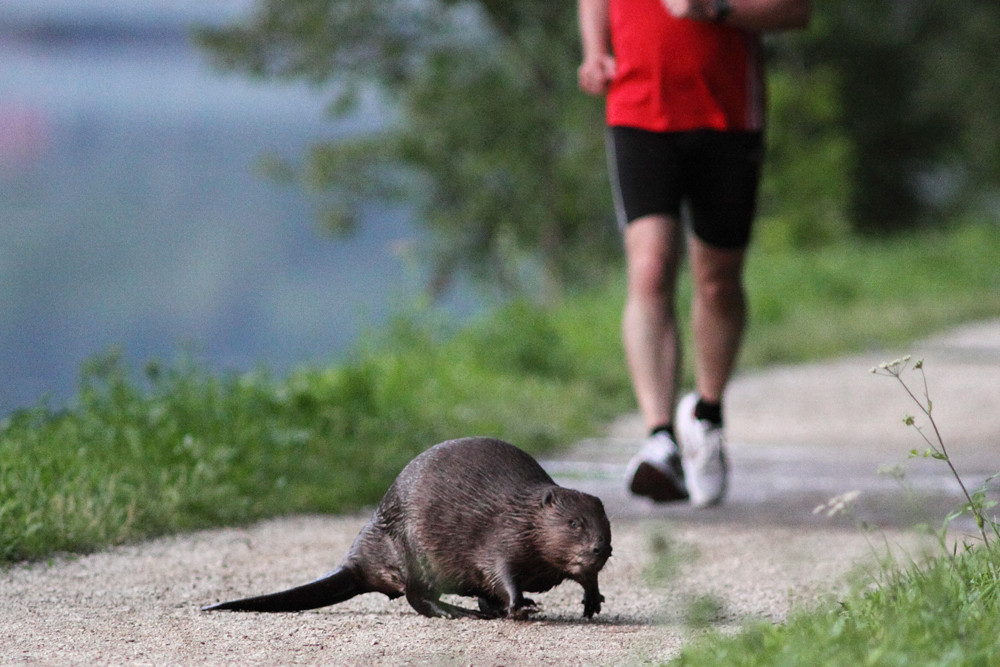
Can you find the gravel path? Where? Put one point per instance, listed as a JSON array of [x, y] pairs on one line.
[[139, 604], [799, 435]]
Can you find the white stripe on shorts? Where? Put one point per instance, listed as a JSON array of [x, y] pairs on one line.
[[616, 188]]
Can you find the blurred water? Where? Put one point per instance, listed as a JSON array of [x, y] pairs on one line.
[[131, 212]]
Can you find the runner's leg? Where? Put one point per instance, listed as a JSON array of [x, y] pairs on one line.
[[649, 325], [718, 315]]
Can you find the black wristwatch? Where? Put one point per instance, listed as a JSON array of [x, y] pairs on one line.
[[722, 10]]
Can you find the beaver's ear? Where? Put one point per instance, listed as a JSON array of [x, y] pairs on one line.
[[549, 498]]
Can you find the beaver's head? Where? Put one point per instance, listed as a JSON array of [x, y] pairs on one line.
[[574, 530]]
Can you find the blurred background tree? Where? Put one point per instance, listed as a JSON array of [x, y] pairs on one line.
[[917, 80], [882, 120], [498, 152]]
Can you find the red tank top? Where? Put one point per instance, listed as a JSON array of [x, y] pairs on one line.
[[679, 74]]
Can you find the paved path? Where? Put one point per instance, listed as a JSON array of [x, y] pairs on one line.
[[799, 435], [802, 434]]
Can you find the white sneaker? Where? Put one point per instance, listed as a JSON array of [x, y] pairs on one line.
[[703, 454], [656, 472]]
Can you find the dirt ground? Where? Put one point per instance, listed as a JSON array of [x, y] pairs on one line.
[[140, 604], [798, 436]]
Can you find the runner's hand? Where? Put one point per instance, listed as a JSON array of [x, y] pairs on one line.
[[595, 74]]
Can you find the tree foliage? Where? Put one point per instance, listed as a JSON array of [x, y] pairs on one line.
[[500, 153], [917, 83], [881, 119]]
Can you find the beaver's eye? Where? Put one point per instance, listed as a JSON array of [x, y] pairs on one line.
[[574, 524]]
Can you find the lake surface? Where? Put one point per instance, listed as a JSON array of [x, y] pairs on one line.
[[133, 214]]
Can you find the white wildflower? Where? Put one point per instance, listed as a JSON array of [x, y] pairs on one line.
[[837, 504]]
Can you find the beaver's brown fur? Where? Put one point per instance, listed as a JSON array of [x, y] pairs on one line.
[[475, 517]]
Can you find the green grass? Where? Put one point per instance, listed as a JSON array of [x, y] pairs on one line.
[[172, 447], [182, 449], [854, 296], [945, 611], [870, 294]]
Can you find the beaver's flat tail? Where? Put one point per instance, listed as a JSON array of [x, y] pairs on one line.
[[339, 585]]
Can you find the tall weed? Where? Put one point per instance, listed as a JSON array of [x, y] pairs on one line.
[[942, 611]]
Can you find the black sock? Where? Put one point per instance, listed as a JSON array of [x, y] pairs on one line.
[[663, 428], [708, 411]]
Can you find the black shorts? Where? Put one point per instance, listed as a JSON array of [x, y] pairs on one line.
[[714, 174]]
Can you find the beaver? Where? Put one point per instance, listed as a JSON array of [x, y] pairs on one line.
[[473, 517]]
